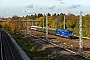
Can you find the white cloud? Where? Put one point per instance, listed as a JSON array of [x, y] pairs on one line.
[[51, 7], [16, 6], [6, 12], [28, 12], [24, 11], [30, 6], [11, 13], [59, 0], [36, 5], [41, 8], [74, 6]]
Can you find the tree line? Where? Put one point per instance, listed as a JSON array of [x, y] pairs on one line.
[[54, 21]]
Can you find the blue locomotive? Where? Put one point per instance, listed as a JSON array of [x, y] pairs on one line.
[[64, 33]]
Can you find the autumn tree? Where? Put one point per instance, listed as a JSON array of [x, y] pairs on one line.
[[48, 14], [6, 25], [41, 21], [15, 24], [71, 20], [54, 16], [50, 21], [40, 15], [86, 24], [59, 21]]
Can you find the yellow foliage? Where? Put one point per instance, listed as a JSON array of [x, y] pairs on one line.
[[5, 23]]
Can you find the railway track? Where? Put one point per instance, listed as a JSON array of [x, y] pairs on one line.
[[39, 40], [69, 44], [64, 46], [8, 51]]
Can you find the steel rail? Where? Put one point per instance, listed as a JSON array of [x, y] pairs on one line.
[[62, 47]]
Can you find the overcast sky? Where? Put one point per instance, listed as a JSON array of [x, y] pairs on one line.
[[9, 8]]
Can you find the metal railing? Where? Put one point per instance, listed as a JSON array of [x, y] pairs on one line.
[[1, 47], [20, 50]]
